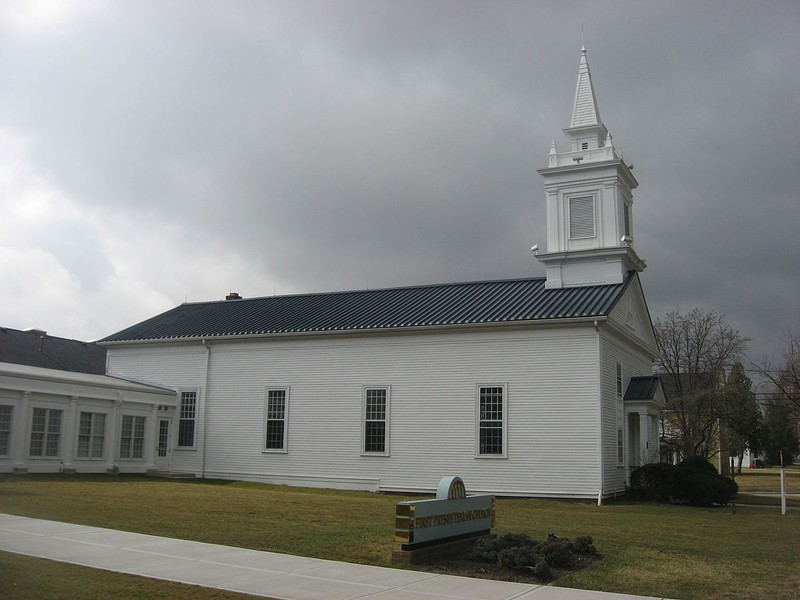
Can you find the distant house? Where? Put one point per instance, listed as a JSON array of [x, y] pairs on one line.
[[59, 412], [537, 387]]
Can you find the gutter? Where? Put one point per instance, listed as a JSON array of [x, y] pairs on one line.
[[205, 411], [600, 410]]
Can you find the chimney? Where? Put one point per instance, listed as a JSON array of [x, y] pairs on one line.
[[233, 296]]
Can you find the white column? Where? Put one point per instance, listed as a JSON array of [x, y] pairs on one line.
[[655, 447], [70, 436], [113, 435], [643, 437], [151, 440], [19, 434]]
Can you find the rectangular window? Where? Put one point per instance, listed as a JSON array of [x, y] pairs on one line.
[[45, 432], [91, 435], [491, 420], [188, 420], [619, 381], [620, 449], [163, 438], [276, 413], [376, 420], [5, 428], [131, 439], [581, 217]]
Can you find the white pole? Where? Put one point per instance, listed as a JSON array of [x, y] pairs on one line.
[[783, 491]]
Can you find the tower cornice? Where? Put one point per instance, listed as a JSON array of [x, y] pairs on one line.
[[567, 165]]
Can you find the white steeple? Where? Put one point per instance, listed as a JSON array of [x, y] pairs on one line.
[[584, 110], [589, 201]]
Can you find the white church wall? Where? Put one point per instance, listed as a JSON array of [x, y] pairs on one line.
[[552, 431], [179, 367], [615, 350]]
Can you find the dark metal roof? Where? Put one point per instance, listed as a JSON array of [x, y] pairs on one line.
[[484, 302], [642, 388], [37, 349]]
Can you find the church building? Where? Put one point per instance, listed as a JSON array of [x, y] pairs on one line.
[[527, 387]]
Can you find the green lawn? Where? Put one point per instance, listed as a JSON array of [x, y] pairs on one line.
[[27, 578], [648, 549], [768, 481]]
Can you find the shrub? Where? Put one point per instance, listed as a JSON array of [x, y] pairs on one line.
[[542, 570], [698, 464], [584, 545], [694, 481], [700, 489], [655, 482], [520, 552], [519, 557], [558, 553]]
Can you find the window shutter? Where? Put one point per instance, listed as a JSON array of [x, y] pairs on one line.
[[581, 217]]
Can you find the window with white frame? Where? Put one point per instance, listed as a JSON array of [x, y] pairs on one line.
[[376, 420], [275, 419], [620, 449], [187, 420], [45, 432], [91, 435], [6, 413], [131, 438], [581, 217], [492, 420]]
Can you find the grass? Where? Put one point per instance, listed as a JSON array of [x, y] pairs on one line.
[[763, 486], [649, 549], [23, 578], [768, 481]]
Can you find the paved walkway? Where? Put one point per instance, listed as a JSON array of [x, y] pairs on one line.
[[266, 574]]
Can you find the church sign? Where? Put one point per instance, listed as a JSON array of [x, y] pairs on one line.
[[452, 515]]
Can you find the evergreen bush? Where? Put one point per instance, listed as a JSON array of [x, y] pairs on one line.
[[694, 481], [522, 553], [656, 482]]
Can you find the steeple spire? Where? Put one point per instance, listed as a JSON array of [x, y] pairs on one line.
[[589, 201], [584, 110]]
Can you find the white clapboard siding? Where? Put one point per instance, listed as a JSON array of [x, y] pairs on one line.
[[180, 367], [551, 376], [634, 364]]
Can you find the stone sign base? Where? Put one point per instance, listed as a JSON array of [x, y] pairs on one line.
[[438, 550]]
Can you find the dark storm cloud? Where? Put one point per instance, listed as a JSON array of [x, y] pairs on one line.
[[349, 144]]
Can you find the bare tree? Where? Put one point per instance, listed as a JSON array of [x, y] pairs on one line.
[[784, 374], [696, 350]]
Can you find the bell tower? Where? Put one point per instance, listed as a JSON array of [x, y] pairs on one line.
[[589, 192]]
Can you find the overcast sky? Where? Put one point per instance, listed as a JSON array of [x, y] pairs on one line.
[[154, 152]]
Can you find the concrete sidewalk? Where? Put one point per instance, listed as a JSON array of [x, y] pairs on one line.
[[265, 574]]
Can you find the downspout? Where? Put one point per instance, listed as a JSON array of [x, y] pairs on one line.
[[600, 409], [205, 411]]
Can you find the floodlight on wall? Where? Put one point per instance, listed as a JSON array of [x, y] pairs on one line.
[[626, 240], [535, 248]]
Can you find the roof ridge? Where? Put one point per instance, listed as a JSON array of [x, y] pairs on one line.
[[364, 290]]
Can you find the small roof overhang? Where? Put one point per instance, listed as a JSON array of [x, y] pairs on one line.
[[645, 394]]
